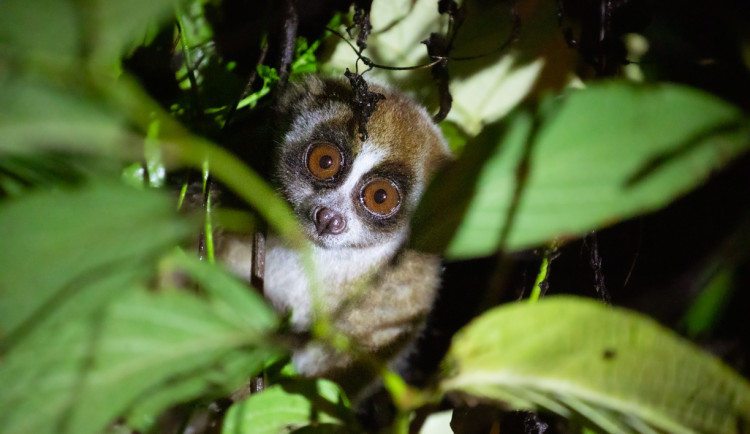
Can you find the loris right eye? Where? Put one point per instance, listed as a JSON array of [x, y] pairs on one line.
[[381, 197], [324, 160]]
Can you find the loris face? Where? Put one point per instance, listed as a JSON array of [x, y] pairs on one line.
[[347, 192]]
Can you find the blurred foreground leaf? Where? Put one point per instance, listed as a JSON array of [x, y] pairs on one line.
[[37, 114], [54, 33], [115, 25], [591, 158], [579, 358], [49, 31], [84, 341], [57, 242]]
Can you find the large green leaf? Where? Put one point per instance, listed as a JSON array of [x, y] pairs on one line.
[[591, 158], [56, 242], [443, 208], [159, 348], [84, 342], [580, 358]]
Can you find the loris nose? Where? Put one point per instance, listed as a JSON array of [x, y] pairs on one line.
[[328, 221]]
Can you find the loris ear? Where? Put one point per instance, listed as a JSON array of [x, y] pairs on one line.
[[296, 93]]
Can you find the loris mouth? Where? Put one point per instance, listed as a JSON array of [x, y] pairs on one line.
[[326, 241]]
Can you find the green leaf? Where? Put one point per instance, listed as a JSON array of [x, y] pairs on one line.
[[155, 344], [55, 32], [49, 169], [48, 31], [705, 312], [37, 114], [491, 93], [281, 408], [270, 77], [115, 24], [443, 209], [147, 350], [84, 342], [644, 147], [619, 370], [592, 158], [229, 294], [304, 57], [69, 235], [230, 300]]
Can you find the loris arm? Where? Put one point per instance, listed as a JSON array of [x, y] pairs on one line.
[[379, 322]]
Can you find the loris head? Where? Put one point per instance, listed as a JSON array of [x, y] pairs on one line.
[[348, 192]]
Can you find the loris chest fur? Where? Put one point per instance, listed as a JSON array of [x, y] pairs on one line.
[[354, 199]]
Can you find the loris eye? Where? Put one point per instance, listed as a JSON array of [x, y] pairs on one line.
[[324, 160], [381, 197]]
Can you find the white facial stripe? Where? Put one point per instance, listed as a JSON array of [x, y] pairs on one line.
[[363, 163]]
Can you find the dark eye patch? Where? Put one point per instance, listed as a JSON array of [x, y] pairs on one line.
[[396, 198]]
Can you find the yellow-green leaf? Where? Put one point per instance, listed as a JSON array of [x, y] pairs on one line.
[[619, 370]]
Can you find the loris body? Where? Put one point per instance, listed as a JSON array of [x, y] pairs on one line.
[[354, 199]]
